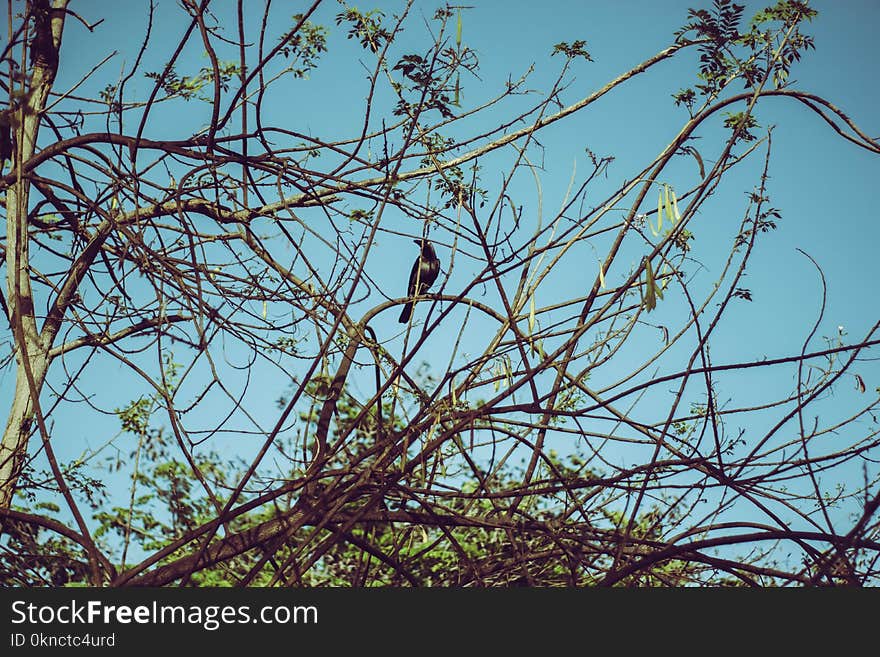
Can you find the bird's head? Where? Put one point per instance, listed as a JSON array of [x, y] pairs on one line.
[[426, 247]]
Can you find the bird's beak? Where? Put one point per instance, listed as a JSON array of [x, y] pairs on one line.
[[419, 242]]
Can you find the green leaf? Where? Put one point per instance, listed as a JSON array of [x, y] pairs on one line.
[[458, 31]]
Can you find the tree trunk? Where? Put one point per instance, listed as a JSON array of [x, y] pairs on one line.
[[31, 353]]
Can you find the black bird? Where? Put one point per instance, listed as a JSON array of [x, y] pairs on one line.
[[424, 272]]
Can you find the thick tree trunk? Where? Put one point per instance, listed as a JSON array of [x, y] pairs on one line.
[[31, 352], [18, 428]]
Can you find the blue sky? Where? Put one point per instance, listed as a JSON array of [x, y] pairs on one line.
[[823, 186]]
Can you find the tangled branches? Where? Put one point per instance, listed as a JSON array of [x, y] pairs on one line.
[[552, 413]]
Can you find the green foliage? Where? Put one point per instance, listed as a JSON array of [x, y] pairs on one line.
[[434, 96], [682, 240], [784, 13], [108, 95], [365, 27], [572, 50], [135, 417], [741, 123], [721, 37], [764, 222], [685, 97], [716, 30], [452, 184], [304, 46], [455, 188], [189, 87], [435, 144], [433, 82], [286, 345], [170, 503], [360, 215], [34, 556]]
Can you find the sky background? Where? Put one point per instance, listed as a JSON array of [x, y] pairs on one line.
[[824, 186]]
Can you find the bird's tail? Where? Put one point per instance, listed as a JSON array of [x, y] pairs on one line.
[[406, 312]]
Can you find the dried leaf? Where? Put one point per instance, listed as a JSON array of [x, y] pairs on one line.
[[433, 428], [696, 154], [650, 288]]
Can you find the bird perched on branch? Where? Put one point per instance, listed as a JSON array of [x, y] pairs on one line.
[[424, 272]]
